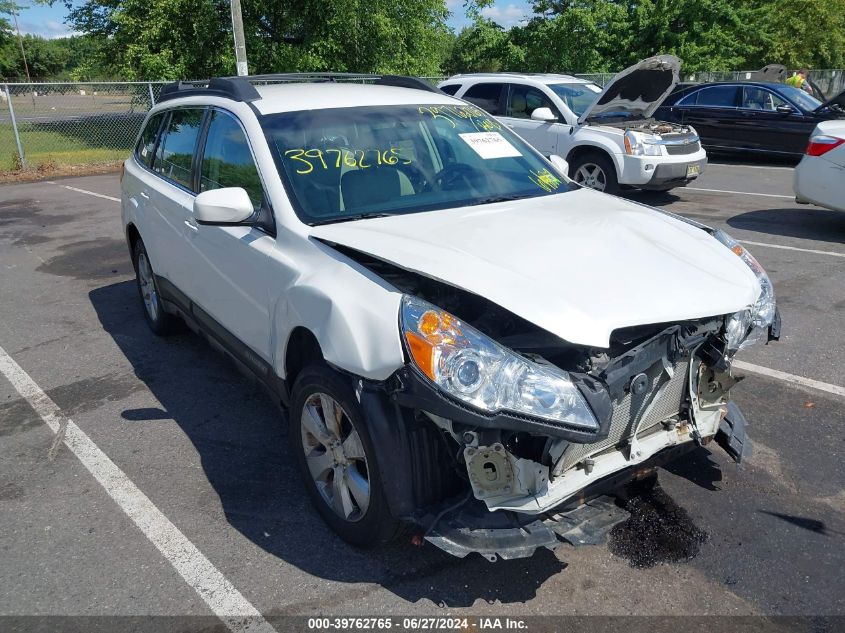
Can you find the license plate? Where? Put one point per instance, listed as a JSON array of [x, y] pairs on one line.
[[693, 171]]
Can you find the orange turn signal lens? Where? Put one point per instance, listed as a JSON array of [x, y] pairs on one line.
[[422, 352], [429, 324], [738, 250]]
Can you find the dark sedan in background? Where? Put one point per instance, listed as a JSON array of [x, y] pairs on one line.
[[759, 117]]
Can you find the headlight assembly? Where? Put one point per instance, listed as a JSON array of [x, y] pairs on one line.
[[472, 368], [747, 327], [637, 144]]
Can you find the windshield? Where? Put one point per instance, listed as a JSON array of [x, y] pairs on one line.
[[800, 98], [346, 163], [577, 97]]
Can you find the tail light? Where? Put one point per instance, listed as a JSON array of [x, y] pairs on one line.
[[822, 144]]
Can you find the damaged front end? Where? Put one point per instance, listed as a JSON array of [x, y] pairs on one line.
[[498, 437], [652, 402], [502, 484]]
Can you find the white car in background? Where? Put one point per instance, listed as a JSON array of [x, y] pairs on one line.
[[820, 176], [607, 136]]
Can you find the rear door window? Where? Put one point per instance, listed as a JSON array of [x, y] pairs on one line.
[[178, 143], [486, 96], [523, 100], [715, 97], [146, 144], [227, 160], [755, 98]]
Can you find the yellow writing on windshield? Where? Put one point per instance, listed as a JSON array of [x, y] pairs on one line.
[[307, 160], [479, 119], [545, 179]]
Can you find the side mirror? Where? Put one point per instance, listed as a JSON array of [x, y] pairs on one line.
[[785, 109], [560, 164], [230, 205], [543, 114]]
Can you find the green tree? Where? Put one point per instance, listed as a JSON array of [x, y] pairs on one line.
[[608, 35], [151, 39], [159, 39], [705, 34], [574, 36], [482, 47], [798, 33], [46, 58], [485, 46]]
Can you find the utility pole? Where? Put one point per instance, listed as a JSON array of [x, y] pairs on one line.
[[238, 33], [20, 41]]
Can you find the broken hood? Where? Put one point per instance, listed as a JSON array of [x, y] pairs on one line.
[[636, 92], [579, 264]]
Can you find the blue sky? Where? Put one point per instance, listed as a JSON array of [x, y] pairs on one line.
[[49, 21]]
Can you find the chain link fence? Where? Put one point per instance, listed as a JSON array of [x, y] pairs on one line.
[[55, 124], [48, 125]]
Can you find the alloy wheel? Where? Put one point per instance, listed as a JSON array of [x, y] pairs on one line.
[[335, 457], [148, 287], [592, 176]]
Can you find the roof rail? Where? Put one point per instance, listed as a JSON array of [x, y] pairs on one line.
[[243, 89], [229, 87], [511, 74]]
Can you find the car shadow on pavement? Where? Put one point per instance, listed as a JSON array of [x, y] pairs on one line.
[[651, 198], [697, 467], [242, 443], [811, 223]]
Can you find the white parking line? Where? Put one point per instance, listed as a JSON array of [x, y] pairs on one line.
[[790, 378], [731, 166], [90, 193], [745, 193], [227, 603], [793, 248]]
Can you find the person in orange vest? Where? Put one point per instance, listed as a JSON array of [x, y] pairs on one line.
[[799, 80]]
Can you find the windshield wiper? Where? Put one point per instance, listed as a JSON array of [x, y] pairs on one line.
[[493, 199], [352, 218]]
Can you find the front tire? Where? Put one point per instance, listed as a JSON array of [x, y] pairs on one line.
[[160, 322], [596, 171], [337, 458]]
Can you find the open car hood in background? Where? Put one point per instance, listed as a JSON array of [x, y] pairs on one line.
[[637, 91], [837, 101]]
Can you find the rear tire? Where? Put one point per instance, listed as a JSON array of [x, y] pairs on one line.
[[160, 322], [596, 171], [337, 458]]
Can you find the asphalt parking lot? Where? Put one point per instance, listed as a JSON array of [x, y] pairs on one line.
[[206, 449]]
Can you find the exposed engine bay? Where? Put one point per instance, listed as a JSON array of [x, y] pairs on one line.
[[657, 387], [650, 126]]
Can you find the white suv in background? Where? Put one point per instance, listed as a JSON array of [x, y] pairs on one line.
[[607, 136], [466, 342]]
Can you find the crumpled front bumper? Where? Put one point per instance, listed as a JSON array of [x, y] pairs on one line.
[[654, 402], [584, 519]]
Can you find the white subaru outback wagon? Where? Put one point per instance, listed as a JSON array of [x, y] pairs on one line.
[[467, 344]]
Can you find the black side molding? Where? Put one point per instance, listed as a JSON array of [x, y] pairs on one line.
[[774, 328], [731, 435]]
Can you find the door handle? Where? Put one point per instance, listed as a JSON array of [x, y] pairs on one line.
[[145, 195], [191, 225]]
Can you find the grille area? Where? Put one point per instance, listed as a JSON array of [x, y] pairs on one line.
[[686, 148], [632, 408]]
